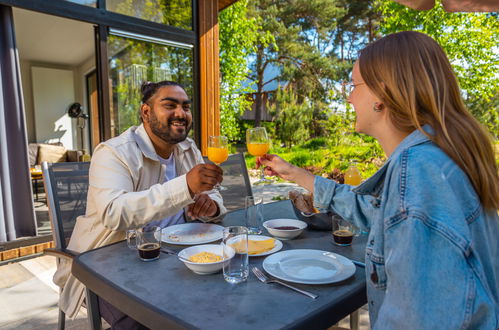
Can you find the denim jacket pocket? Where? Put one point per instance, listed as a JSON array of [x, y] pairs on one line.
[[377, 273]]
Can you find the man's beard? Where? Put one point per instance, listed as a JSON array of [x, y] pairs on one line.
[[164, 132]]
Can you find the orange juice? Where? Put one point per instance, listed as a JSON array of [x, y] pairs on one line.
[[258, 149], [352, 176], [218, 155]]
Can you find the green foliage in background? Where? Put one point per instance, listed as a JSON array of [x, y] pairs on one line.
[[314, 44], [471, 43], [334, 150], [291, 118], [237, 37]]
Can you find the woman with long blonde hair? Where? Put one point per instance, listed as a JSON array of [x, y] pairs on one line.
[[432, 257]]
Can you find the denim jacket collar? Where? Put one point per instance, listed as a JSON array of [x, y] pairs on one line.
[[374, 184]]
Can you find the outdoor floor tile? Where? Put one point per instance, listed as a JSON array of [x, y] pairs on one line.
[[26, 299], [12, 274]]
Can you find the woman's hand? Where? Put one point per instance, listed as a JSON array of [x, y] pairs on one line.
[[276, 166]]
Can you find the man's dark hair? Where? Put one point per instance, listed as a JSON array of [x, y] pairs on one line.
[[148, 89]]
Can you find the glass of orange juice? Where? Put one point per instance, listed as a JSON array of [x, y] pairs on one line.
[[258, 143], [218, 152]]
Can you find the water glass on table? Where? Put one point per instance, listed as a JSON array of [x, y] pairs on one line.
[[236, 269], [254, 214], [147, 241]]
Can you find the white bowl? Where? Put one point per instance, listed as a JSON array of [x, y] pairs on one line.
[[284, 234], [204, 268]]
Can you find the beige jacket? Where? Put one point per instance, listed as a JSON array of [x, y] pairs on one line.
[[127, 189]]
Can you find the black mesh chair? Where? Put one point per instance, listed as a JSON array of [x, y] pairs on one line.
[[66, 186], [236, 180]]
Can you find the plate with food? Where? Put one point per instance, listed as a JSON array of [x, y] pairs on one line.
[[192, 233], [259, 245]]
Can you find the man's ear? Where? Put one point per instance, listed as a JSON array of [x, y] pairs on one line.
[[144, 112]]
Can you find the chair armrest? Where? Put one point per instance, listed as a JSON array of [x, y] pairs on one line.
[[59, 253]]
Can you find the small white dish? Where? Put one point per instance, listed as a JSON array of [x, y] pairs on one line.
[[273, 227], [204, 268]]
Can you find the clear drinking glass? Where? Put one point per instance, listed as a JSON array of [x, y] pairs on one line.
[[218, 152], [258, 143], [236, 269], [254, 214]]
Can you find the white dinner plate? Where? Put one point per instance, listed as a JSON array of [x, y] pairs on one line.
[[192, 233], [277, 246], [309, 266]]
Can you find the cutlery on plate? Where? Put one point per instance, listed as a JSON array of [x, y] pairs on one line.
[[263, 278], [355, 262]]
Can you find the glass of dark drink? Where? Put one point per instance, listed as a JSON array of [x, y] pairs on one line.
[[343, 231], [149, 243]]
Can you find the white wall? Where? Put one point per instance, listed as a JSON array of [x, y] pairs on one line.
[[53, 92]]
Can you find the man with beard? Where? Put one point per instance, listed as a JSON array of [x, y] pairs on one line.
[[151, 174]]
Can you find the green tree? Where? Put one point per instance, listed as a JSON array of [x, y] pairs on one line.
[[291, 117], [471, 43], [307, 47], [237, 38]]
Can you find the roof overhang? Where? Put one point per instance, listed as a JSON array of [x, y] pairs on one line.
[[454, 5], [222, 4]]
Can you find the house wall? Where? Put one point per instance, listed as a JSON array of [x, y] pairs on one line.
[[79, 95], [53, 92]]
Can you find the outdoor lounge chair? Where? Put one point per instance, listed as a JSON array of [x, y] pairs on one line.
[[236, 180], [66, 186]]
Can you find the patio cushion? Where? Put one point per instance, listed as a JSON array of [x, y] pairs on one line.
[[51, 154]]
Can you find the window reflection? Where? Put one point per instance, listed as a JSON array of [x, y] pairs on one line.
[[90, 3], [133, 62], [176, 13]]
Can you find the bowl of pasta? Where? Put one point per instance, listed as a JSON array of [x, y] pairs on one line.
[[205, 259]]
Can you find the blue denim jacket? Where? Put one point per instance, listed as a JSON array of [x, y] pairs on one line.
[[432, 257]]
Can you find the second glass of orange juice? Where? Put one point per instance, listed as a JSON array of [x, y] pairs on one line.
[[258, 143], [218, 152]]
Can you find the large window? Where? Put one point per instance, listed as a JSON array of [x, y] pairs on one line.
[[176, 13], [133, 61]]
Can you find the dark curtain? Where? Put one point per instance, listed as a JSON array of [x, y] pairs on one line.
[[17, 217]]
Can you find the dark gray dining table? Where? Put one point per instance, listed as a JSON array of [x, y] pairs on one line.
[[165, 294]]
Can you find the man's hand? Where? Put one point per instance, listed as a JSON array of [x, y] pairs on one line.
[[203, 177], [203, 206]]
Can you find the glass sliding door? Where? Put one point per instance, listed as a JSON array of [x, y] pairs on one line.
[[134, 59], [176, 13]]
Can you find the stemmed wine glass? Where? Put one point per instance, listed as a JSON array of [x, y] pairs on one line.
[[218, 152], [258, 143]]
